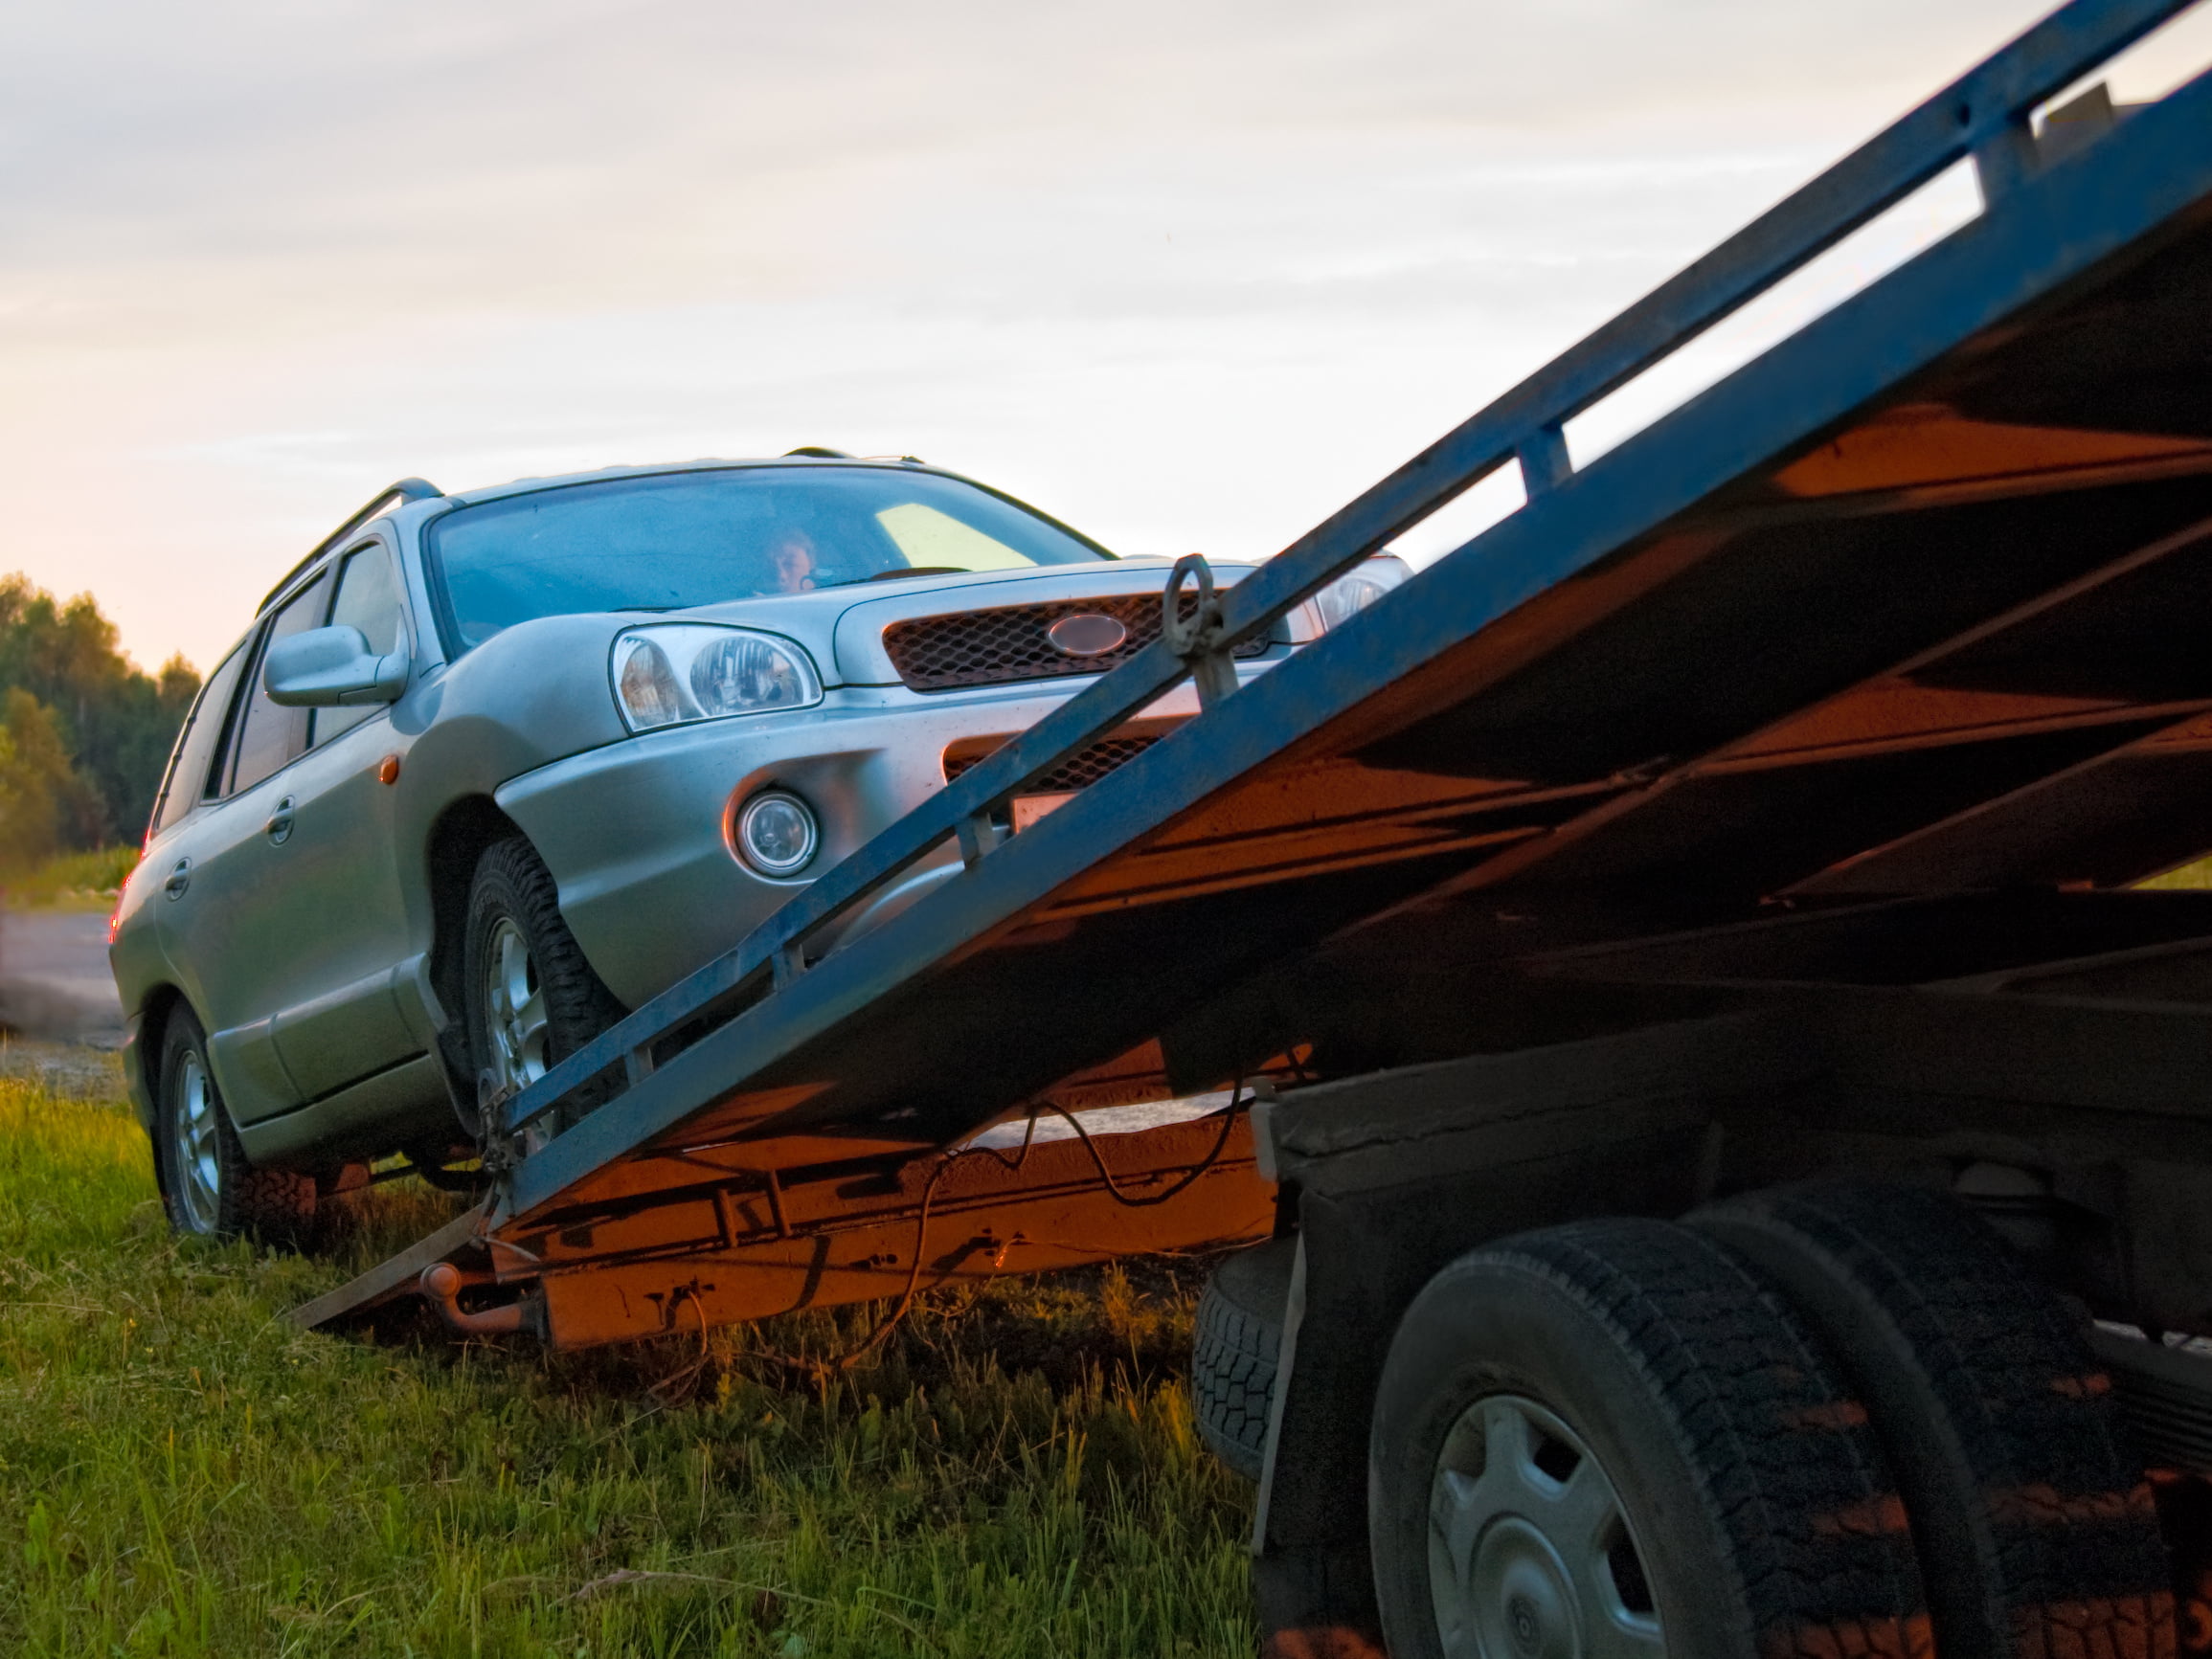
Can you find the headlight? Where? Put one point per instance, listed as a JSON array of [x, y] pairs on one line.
[[683, 671], [776, 833], [1359, 588]]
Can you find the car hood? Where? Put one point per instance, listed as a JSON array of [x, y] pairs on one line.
[[842, 628]]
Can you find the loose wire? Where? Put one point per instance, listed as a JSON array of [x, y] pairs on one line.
[[890, 1322], [1226, 1114]]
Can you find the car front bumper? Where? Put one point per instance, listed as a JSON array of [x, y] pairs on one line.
[[637, 833]]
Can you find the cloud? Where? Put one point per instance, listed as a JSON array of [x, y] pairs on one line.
[[1188, 273]]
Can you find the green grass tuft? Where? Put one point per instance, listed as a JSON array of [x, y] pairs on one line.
[[182, 1473], [2189, 878]]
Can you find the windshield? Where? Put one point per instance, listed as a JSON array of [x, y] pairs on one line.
[[671, 541]]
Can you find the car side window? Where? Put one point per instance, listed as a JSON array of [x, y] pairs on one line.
[[272, 735], [368, 599], [191, 773]]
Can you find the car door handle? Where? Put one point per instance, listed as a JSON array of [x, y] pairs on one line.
[[179, 879], [279, 828]]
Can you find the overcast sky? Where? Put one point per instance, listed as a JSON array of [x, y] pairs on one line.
[[1188, 274]]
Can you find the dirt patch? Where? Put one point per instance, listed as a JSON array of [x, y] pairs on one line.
[[74, 1070]]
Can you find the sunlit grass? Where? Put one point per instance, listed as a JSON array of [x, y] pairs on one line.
[[2188, 877], [182, 1473]]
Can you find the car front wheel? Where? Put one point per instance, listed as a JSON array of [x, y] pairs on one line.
[[531, 997]]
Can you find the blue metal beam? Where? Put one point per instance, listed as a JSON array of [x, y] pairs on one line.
[[1980, 109]]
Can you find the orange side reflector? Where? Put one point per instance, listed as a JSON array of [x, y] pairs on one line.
[[388, 770]]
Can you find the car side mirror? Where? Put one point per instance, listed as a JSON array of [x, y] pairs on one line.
[[329, 666]]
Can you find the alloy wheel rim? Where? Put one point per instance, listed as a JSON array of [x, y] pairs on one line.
[[199, 1170], [515, 1006], [1530, 1553]]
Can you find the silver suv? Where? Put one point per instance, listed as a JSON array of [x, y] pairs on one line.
[[489, 769]]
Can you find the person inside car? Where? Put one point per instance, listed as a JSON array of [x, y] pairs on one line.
[[791, 561]]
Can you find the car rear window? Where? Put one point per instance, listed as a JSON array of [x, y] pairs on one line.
[[671, 541]]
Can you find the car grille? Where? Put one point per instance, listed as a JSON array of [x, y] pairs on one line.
[[992, 647], [1084, 768]]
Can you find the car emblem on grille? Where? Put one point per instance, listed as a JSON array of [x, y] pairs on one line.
[[1086, 634]]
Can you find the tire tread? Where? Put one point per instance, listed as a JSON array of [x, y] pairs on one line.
[[273, 1207], [1810, 1526], [511, 877], [2072, 1563], [1235, 1342]]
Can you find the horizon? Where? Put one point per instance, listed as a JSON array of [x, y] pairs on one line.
[[1188, 280]]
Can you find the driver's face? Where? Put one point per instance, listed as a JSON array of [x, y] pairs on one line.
[[792, 560]]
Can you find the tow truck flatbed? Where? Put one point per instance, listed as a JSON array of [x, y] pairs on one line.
[[1907, 605], [1765, 801]]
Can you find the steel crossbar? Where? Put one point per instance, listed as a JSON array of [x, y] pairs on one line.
[[1984, 115]]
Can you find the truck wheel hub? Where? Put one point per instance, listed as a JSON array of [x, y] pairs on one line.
[[1524, 1529]]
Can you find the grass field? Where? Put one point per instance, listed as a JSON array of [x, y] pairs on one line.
[[181, 1473], [77, 880], [2189, 878]]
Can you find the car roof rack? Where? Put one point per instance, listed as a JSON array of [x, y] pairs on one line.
[[407, 489], [818, 452]]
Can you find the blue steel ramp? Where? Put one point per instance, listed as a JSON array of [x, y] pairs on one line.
[[1915, 602]]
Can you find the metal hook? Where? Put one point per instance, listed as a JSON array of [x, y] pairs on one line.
[[1197, 638]]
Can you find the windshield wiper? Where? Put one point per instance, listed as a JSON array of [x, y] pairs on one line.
[[901, 573]]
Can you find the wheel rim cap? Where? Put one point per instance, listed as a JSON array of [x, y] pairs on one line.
[[199, 1170], [514, 1005], [1530, 1555]]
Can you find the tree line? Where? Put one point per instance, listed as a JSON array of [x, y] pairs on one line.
[[84, 732]]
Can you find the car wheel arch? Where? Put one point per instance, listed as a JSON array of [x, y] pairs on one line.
[[156, 1009], [458, 838]]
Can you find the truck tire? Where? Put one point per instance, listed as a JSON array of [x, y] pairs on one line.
[[208, 1188], [1233, 1349], [530, 998], [2036, 1529], [1611, 1438]]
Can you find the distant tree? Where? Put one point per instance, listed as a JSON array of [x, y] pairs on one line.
[[44, 804], [115, 724]]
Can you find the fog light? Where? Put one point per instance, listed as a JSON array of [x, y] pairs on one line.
[[776, 834]]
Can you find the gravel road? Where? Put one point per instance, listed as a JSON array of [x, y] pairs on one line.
[[54, 977]]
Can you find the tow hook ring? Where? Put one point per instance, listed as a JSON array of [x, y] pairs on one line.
[[1196, 639]]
